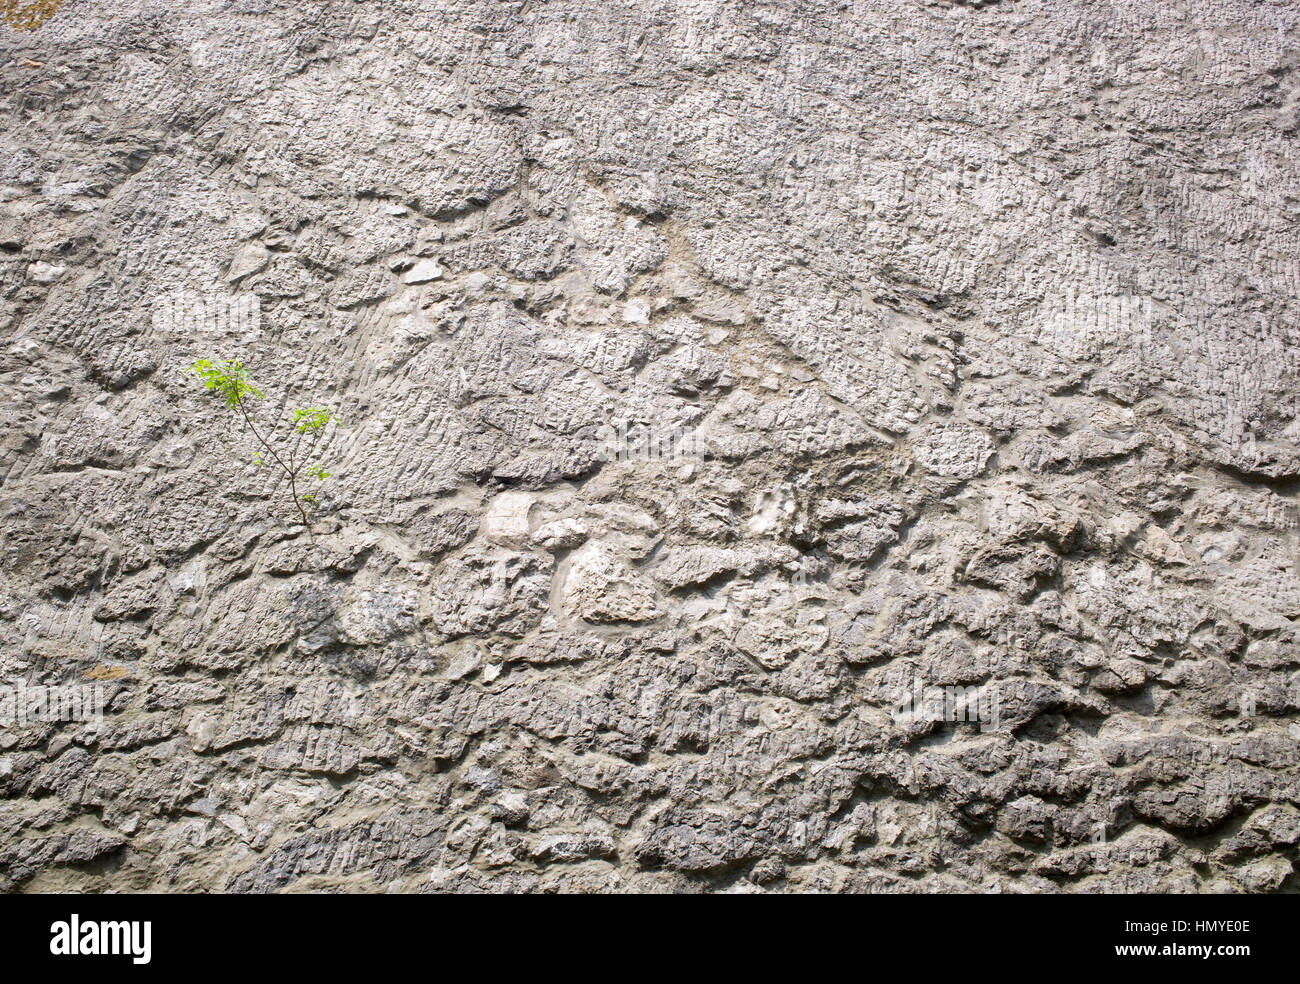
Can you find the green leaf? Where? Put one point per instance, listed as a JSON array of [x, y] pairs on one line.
[[313, 420], [229, 380]]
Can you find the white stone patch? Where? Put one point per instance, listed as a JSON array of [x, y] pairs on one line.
[[507, 517], [248, 260], [465, 663], [637, 311], [601, 588], [45, 273], [368, 617], [423, 272], [772, 510], [954, 450]]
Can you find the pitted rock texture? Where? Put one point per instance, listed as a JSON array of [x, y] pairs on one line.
[[712, 374]]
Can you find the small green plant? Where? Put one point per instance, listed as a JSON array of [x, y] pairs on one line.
[[231, 382]]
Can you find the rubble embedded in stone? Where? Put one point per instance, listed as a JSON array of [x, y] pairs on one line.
[[714, 378]]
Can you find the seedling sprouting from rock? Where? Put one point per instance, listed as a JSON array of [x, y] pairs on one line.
[[231, 382]]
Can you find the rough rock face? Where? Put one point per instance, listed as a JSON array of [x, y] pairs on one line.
[[719, 381]]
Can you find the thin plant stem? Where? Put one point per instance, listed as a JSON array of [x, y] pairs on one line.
[[293, 485]]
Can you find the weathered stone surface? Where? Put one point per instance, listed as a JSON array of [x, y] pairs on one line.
[[725, 387], [490, 590], [600, 587]]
